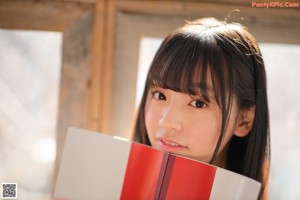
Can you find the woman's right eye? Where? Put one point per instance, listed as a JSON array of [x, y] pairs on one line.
[[159, 96]]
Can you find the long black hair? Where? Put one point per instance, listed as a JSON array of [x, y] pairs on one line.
[[232, 57]]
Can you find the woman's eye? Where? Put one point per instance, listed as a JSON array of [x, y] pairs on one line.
[[198, 104], [159, 96]]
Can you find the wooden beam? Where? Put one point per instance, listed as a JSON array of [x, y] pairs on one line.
[[108, 54], [98, 69], [40, 15], [80, 1]]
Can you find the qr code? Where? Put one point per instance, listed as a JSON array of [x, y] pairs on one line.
[[9, 191]]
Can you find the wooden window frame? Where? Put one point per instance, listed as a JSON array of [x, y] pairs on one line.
[[81, 82], [272, 25]]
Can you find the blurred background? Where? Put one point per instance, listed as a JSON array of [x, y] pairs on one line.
[[83, 63]]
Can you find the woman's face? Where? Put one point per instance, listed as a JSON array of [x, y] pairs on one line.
[[186, 125]]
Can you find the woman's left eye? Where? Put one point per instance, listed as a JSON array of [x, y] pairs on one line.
[[198, 104]]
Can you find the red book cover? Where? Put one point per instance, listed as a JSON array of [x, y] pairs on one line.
[[98, 166]]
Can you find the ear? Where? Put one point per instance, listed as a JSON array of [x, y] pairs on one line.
[[245, 122]]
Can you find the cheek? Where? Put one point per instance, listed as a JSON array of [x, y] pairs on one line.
[[207, 127], [148, 121], [207, 131], [204, 134], [151, 121]]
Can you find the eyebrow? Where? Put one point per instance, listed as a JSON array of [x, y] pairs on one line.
[[209, 91], [208, 88]]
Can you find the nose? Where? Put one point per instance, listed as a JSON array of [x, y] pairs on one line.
[[171, 119]]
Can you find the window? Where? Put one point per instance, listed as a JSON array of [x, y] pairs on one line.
[[282, 65], [29, 86], [148, 48]]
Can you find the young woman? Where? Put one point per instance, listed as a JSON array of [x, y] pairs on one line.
[[205, 98]]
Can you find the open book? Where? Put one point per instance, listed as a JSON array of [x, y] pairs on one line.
[[99, 166]]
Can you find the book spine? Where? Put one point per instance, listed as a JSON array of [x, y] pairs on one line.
[[165, 177]]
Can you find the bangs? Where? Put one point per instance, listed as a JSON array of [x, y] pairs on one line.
[[187, 64]]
